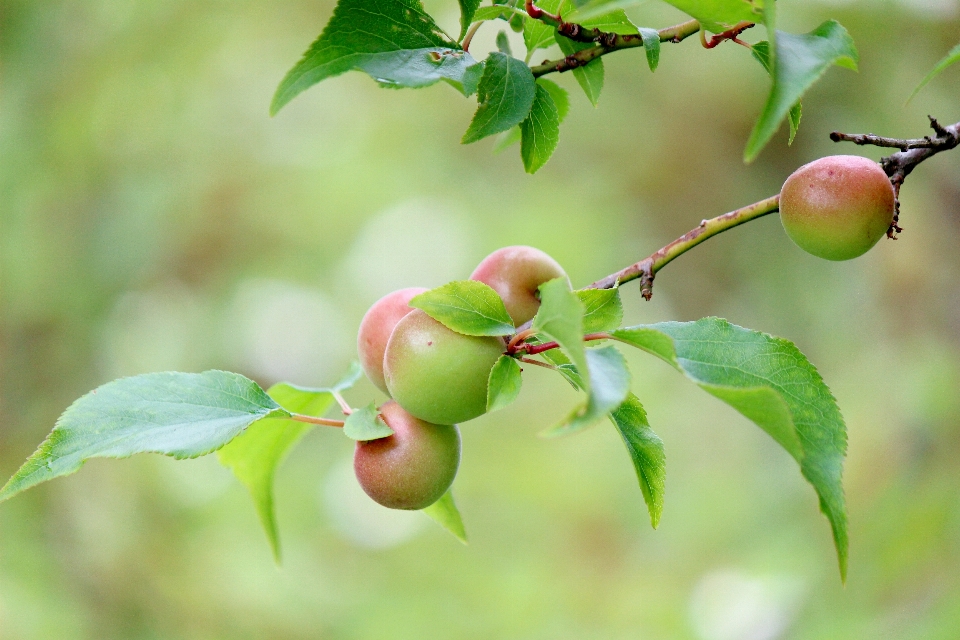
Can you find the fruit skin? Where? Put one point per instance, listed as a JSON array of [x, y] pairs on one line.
[[437, 374], [837, 207], [375, 329], [516, 273], [412, 468]]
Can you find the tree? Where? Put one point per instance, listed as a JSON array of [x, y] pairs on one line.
[[400, 45]]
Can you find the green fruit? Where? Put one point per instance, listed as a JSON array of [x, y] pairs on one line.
[[837, 207], [516, 273], [412, 468], [437, 374], [375, 329]]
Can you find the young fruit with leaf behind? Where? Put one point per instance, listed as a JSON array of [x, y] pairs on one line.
[[412, 468], [516, 274]]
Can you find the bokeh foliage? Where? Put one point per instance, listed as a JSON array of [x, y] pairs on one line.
[[154, 218]]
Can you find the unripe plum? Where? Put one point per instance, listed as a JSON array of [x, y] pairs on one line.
[[375, 330], [412, 468], [437, 374], [837, 207], [516, 273]]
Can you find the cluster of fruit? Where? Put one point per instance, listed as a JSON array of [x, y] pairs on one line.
[[437, 378], [836, 208]]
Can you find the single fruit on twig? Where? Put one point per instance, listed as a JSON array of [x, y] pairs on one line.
[[837, 207], [516, 273], [437, 374], [412, 468], [375, 329]]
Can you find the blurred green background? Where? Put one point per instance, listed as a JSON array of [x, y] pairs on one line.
[[155, 218]]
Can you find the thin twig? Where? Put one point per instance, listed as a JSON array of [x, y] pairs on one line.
[[912, 152], [468, 38], [606, 43], [299, 417]]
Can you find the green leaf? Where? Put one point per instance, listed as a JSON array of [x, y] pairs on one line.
[[537, 34], [613, 21], [799, 61], [589, 77], [469, 307], [560, 318], [184, 415], [504, 383], [394, 41], [366, 424], [498, 11], [599, 8], [761, 52], [507, 139], [561, 99], [444, 511], [651, 45], [609, 386], [952, 56], [468, 9], [540, 132], [646, 452], [719, 15], [256, 454], [505, 95], [564, 367], [503, 43], [770, 382], [602, 309]]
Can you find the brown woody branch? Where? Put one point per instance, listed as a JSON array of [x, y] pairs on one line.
[[912, 152]]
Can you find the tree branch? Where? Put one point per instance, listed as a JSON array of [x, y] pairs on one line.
[[647, 268], [606, 42], [912, 152]]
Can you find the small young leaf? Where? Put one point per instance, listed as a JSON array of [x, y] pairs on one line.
[[612, 21], [560, 318], [560, 96], [540, 132], [469, 307], [503, 43], [718, 15], [444, 511], [770, 382], [651, 44], [589, 77], [646, 452], [184, 415], [798, 62], [952, 56], [761, 53], [366, 424], [394, 41], [587, 11], [504, 11], [255, 454], [507, 139], [505, 95], [603, 310], [504, 385], [538, 34], [468, 9], [609, 386]]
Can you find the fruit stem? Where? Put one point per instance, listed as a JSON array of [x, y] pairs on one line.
[[519, 337], [299, 417], [647, 268], [534, 349], [347, 410], [545, 365]]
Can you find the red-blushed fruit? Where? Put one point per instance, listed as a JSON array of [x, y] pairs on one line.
[[837, 207], [375, 330], [516, 273], [437, 374], [412, 468]]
